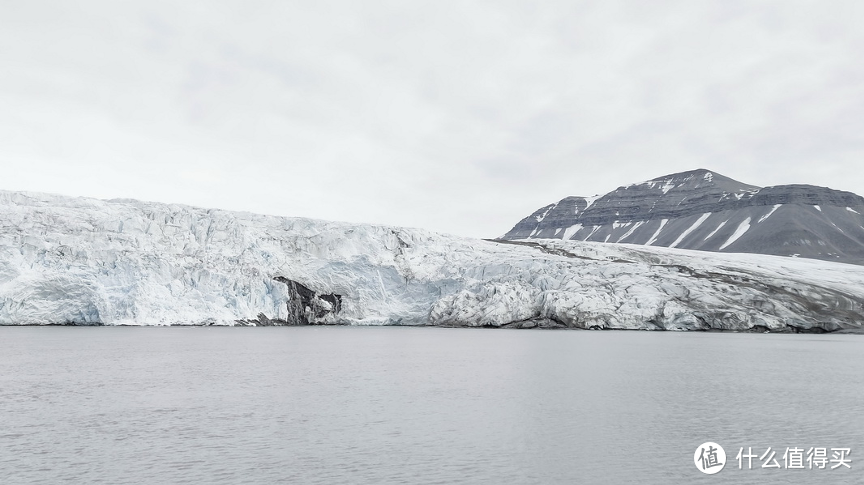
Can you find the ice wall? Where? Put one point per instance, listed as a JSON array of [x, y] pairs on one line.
[[125, 262]]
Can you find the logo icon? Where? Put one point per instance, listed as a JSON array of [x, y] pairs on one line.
[[709, 458]]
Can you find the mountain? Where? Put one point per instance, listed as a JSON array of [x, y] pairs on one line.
[[81, 261], [704, 210]]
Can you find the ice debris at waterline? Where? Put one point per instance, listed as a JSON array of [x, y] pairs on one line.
[[82, 261]]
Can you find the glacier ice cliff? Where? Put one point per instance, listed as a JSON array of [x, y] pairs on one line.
[[66, 260]]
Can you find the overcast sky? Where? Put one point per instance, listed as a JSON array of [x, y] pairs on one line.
[[460, 117]]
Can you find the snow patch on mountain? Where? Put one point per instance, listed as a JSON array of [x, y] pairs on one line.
[[667, 186], [543, 216], [570, 231], [740, 231], [629, 232], [653, 238], [766, 216], [715, 230], [593, 230], [690, 229], [589, 201]]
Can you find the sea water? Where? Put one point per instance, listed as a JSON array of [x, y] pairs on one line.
[[420, 405]]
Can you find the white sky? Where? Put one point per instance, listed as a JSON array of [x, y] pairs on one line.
[[460, 117]]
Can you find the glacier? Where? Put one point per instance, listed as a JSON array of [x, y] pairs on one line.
[[81, 261]]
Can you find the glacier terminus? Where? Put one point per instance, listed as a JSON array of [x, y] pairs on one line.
[[81, 261]]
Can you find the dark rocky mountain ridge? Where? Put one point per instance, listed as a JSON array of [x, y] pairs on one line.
[[704, 210]]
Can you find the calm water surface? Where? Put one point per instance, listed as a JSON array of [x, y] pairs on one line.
[[418, 405]]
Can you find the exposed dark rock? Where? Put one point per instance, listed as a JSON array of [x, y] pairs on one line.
[[305, 307]]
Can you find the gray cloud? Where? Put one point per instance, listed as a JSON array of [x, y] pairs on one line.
[[455, 116]]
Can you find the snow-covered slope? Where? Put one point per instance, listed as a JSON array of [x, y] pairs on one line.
[[86, 261]]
